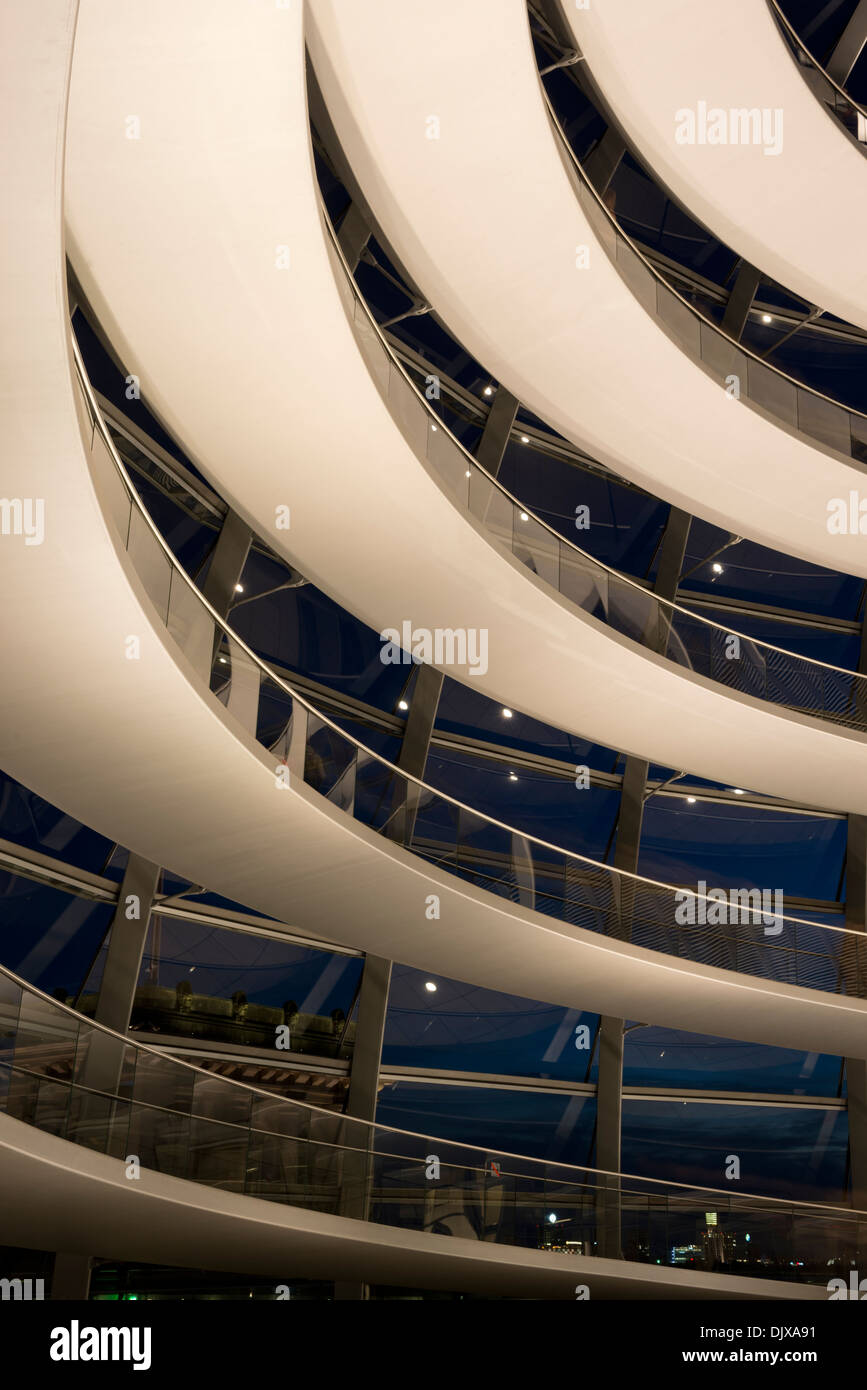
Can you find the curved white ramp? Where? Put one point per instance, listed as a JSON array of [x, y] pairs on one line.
[[797, 212], [487, 220], [240, 339]]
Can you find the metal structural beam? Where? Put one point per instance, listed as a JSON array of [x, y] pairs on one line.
[[498, 428], [740, 300], [602, 163], [227, 563], [126, 944], [849, 46], [353, 236]]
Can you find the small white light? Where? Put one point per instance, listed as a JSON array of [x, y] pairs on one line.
[[430, 986], [468, 473], [513, 777], [525, 439], [691, 800], [489, 390], [738, 791], [552, 1216], [507, 714], [766, 318], [717, 569], [433, 429], [402, 704], [222, 660], [239, 588], [524, 516]]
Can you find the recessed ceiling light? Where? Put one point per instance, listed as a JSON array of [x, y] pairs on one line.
[[430, 986], [223, 660], [489, 390], [552, 1216], [717, 569], [239, 588], [468, 473], [691, 800], [513, 777], [507, 714], [434, 428], [766, 318], [524, 516], [402, 704], [525, 439], [738, 791]]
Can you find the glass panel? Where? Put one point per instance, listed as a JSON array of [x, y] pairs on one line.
[[152, 565], [681, 323], [536, 548], [449, 464], [637, 275], [191, 626], [773, 392], [372, 349], [409, 414], [723, 360], [823, 420], [243, 701]]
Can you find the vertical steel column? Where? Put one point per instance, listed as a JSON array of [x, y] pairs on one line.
[[375, 981], [609, 1087], [603, 161], [227, 563]]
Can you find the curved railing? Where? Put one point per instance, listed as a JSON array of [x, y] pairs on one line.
[[748, 377], [722, 654], [306, 745], [845, 108], [82, 1082]]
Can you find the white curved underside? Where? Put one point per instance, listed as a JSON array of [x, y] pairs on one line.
[[175, 235], [486, 219], [798, 215]]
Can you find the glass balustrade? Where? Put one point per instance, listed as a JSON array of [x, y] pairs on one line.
[[72, 1078]]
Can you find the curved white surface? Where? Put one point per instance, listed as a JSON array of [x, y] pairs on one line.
[[798, 215], [140, 750], [486, 220], [56, 1195], [257, 371]]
